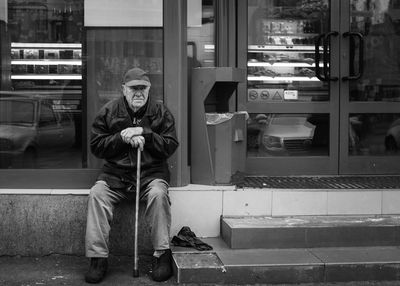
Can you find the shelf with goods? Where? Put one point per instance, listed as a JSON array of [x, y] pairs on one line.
[[284, 79], [266, 64], [49, 70], [281, 58], [285, 31], [46, 65], [293, 9], [286, 47], [279, 30]]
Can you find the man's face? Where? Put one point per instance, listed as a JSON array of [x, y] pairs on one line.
[[136, 95]]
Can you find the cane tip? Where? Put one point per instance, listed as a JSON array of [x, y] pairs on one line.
[[135, 272]]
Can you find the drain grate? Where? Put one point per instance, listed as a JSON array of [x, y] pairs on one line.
[[337, 182]]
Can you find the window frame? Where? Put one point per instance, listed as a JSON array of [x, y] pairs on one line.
[[174, 98]]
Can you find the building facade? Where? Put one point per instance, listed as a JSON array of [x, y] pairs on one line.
[[321, 83]]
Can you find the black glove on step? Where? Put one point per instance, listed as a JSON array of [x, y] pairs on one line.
[[187, 238]]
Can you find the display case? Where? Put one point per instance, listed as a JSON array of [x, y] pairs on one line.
[[282, 54], [46, 66]]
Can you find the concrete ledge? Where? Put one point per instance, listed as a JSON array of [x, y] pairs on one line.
[[45, 224], [46, 221], [83, 192], [191, 187], [294, 202]]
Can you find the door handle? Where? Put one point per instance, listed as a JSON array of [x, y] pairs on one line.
[[326, 56], [360, 55], [317, 57]]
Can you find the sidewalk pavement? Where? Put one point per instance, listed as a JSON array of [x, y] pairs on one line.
[[57, 270], [70, 270]]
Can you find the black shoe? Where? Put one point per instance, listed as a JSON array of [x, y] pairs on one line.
[[162, 267], [97, 270]]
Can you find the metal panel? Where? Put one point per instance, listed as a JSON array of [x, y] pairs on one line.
[[204, 82], [225, 39], [175, 84], [242, 52]]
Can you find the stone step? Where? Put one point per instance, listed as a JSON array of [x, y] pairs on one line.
[[310, 231], [223, 265]]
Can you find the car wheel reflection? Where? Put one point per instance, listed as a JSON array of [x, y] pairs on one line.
[[392, 138], [390, 144], [29, 158]]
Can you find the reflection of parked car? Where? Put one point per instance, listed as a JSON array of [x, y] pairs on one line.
[[287, 133], [29, 125], [392, 138]]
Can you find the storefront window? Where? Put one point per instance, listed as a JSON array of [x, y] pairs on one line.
[[60, 61], [41, 85], [287, 135], [374, 134], [200, 35], [380, 76], [113, 51]]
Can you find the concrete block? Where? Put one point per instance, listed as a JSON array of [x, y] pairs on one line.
[[360, 263], [247, 202], [198, 267], [310, 231], [248, 267], [285, 203], [200, 210], [354, 202], [44, 224], [361, 235], [391, 202]]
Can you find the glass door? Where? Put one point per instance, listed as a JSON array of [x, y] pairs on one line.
[[370, 87], [291, 93]]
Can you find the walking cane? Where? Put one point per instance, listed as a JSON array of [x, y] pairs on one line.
[[136, 256]]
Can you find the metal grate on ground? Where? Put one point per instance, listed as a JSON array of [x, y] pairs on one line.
[[336, 182]]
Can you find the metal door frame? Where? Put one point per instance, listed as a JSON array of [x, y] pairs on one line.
[[284, 165]]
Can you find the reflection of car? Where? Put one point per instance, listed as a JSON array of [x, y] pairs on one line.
[[29, 126], [392, 138], [287, 133]]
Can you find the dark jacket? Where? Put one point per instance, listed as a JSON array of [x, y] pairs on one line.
[[119, 170]]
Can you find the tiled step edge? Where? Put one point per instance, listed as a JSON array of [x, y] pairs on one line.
[[215, 268], [246, 233]]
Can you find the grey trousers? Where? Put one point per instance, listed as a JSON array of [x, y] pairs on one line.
[[101, 204]]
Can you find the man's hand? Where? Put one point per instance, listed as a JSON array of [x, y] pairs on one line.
[[137, 142], [129, 133]]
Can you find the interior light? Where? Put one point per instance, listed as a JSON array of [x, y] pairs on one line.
[[277, 78], [47, 45], [37, 76], [258, 64], [47, 62]]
